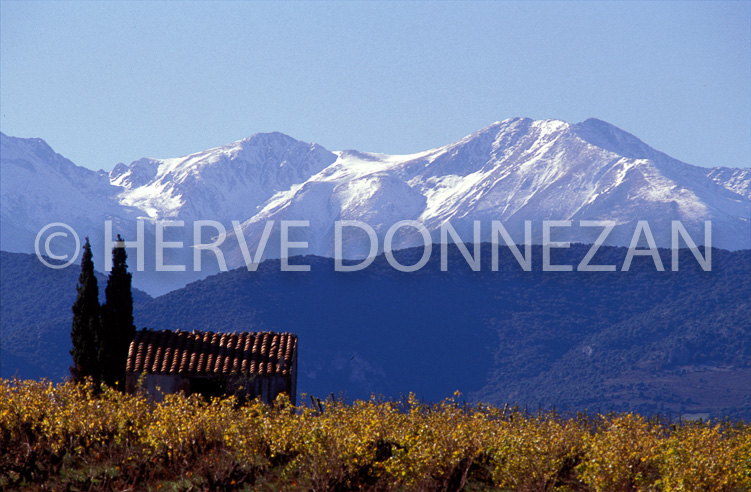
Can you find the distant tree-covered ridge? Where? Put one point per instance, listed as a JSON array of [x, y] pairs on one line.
[[36, 317], [640, 340]]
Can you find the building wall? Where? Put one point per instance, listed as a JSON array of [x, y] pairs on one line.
[[157, 386], [267, 388]]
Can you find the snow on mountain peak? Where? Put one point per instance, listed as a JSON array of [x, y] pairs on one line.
[[512, 170], [139, 173], [611, 138], [223, 182]]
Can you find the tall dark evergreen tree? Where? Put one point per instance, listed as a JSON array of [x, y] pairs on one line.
[[86, 323], [117, 320]]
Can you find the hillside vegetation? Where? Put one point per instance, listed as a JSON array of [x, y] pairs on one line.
[[638, 341], [65, 438]]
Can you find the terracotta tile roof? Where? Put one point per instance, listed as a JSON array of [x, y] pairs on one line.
[[181, 352]]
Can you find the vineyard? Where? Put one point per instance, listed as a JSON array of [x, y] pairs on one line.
[[69, 437]]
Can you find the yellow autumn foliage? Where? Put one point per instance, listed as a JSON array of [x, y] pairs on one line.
[[69, 436]]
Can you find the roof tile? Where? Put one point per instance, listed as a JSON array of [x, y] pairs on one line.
[[247, 353]]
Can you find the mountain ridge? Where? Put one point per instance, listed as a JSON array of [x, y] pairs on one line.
[[513, 170]]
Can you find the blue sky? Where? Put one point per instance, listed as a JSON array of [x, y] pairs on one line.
[[109, 82]]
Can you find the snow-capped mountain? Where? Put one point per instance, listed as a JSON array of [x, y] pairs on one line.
[[38, 187], [227, 183], [514, 170]]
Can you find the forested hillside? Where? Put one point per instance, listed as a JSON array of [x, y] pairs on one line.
[[640, 340], [36, 316]]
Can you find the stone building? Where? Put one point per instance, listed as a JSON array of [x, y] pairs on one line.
[[247, 365]]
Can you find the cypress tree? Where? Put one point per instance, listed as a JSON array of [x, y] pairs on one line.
[[117, 320], [86, 324]]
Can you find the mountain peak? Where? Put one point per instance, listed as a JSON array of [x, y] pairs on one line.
[[270, 138], [33, 152], [611, 138], [34, 145], [267, 136]]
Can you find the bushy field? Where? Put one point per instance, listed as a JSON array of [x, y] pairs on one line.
[[65, 437]]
